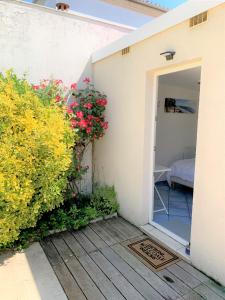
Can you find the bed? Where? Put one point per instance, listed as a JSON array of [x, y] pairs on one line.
[[182, 172]]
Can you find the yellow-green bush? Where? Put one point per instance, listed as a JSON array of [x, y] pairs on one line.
[[35, 153]]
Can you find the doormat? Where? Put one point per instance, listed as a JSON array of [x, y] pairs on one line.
[[152, 254]]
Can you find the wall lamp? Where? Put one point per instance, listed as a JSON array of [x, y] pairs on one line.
[[168, 54]]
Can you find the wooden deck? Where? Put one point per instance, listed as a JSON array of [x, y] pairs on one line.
[[92, 264]]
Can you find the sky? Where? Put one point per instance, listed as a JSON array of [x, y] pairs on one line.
[[103, 10], [169, 3]]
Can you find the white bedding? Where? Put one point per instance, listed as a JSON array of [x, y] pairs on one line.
[[183, 169]]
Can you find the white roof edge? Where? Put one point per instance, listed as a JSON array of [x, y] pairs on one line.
[[173, 17], [72, 13], [101, 20]]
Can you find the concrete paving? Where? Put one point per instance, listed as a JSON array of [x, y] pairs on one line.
[[28, 275]]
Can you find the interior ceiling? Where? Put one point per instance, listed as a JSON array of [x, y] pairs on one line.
[[188, 78]]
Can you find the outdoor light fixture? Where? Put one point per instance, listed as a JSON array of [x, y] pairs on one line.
[[168, 54]]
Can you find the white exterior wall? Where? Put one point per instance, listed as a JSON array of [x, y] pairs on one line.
[[45, 43], [124, 156]]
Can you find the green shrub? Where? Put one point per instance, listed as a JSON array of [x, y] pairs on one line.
[[71, 214], [104, 200], [68, 216], [35, 154]]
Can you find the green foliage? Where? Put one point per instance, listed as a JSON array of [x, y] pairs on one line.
[[70, 218], [37, 162], [71, 215], [36, 143], [104, 200]]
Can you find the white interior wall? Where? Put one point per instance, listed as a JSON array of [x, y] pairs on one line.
[[175, 132]]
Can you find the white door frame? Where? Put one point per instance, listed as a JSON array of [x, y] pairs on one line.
[[157, 73]]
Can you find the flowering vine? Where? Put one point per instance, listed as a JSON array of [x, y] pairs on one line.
[[87, 112], [85, 109]]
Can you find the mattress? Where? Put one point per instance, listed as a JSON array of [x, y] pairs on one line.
[[182, 171], [181, 181]]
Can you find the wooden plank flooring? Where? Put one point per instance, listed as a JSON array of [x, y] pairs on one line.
[[93, 264]]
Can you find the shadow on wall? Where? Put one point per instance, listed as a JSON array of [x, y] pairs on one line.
[[86, 182], [87, 72]]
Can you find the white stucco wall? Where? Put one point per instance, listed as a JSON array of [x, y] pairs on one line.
[[124, 156], [45, 43]]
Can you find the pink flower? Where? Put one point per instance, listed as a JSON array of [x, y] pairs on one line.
[[79, 114], [58, 81], [69, 111], [36, 87], [73, 123], [57, 98], [87, 80], [90, 117], [74, 104], [101, 102], [88, 130], [73, 86], [88, 105], [105, 125], [83, 123], [42, 86]]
